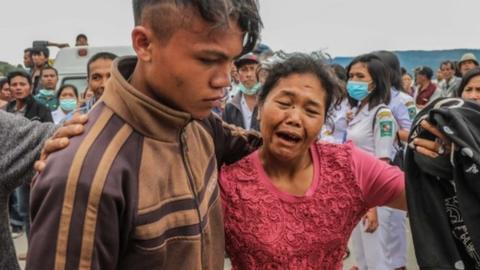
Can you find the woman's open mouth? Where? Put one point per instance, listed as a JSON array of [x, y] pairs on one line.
[[289, 137]]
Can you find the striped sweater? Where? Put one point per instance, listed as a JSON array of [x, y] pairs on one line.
[[138, 190]]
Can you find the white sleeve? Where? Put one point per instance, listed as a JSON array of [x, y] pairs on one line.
[[385, 131]]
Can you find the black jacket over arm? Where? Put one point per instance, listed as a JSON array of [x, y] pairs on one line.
[[432, 184]]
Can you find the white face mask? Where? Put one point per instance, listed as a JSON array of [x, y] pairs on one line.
[[252, 91]]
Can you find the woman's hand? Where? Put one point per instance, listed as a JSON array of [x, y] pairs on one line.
[[433, 149], [370, 220], [60, 139], [350, 115]]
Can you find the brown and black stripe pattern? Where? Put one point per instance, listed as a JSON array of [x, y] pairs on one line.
[[138, 190]]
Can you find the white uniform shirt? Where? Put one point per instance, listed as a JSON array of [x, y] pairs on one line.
[[334, 129], [377, 139], [246, 113], [58, 115], [410, 104], [400, 110]]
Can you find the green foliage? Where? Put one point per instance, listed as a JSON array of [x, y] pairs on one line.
[[5, 68]]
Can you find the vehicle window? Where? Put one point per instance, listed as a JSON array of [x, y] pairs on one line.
[[79, 82]]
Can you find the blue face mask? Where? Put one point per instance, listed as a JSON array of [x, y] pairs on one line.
[[357, 90], [46, 93], [68, 104], [252, 91]]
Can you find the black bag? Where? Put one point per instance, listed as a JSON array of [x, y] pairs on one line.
[[399, 158]]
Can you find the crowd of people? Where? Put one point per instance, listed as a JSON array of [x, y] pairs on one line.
[[191, 150]]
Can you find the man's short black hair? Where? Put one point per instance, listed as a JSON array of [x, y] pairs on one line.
[[217, 12], [425, 71], [448, 63], [47, 68], [79, 36], [41, 50], [28, 50], [100, 55], [19, 73]]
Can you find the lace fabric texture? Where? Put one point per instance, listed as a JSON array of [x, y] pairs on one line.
[[265, 229]]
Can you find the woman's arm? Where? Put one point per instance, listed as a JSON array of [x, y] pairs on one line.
[[381, 184], [22, 141], [400, 202]]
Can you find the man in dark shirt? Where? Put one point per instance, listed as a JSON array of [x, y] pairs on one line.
[[24, 105]]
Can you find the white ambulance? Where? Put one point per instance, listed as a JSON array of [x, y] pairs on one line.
[[71, 63]]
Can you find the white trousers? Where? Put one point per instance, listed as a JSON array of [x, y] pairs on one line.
[[384, 249], [370, 248], [396, 239]]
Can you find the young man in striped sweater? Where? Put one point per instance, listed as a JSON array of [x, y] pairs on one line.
[[138, 189]]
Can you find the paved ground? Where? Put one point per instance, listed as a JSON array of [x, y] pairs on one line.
[[21, 245]]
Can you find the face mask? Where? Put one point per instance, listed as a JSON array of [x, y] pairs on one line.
[[252, 91], [68, 104], [47, 93], [357, 90]]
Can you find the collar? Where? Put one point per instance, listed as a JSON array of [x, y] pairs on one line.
[[28, 101], [430, 87], [237, 100], [395, 92], [147, 116]]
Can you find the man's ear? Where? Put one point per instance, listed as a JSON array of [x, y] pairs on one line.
[[142, 42]]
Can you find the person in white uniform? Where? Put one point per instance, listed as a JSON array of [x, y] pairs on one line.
[[403, 108], [68, 100], [372, 127]]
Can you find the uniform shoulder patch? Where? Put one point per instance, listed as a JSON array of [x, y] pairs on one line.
[[327, 132], [386, 128], [412, 112], [410, 103], [384, 114]]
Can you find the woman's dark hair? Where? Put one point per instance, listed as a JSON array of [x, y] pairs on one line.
[[340, 72], [300, 63], [378, 72], [65, 86], [466, 79], [390, 60]]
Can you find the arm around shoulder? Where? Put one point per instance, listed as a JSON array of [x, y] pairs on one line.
[[231, 143], [22, 141]]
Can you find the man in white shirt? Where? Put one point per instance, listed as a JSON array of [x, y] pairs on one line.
[[450, 82]]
